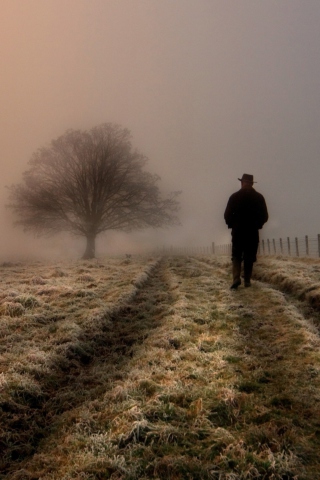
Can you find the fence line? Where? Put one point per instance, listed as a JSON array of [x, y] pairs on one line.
[[295, 247], [298, 247]]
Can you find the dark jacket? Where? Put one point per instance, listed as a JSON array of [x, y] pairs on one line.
[[246, 210]]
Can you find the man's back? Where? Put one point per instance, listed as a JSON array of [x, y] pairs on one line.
[[246, 209]]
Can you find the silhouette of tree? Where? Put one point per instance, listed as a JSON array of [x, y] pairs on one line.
[[88, 182]]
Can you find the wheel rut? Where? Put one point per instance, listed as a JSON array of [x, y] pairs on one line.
[[276, 363], [84, 373], [188, 376]]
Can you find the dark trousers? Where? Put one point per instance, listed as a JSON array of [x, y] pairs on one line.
[[245, 245]]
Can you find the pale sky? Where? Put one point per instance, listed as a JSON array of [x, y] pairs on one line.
[[210, 89]]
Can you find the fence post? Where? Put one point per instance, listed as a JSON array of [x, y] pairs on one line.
[[297, 247], [281, 246], [212, 248], [307, 245], [274, 245], [268, 242], [289, 248], [263, 247]]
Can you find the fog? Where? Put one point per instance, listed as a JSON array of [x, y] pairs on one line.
[[210, 89]]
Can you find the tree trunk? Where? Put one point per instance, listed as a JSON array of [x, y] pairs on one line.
[[91, 247]]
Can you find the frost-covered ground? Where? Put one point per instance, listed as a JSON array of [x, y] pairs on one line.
[[152, 368]]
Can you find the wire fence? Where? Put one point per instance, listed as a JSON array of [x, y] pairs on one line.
[[292, 247]]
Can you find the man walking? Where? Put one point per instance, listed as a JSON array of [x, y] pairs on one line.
[[245, 214]]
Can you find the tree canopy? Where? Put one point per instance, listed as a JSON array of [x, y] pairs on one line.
[[88, 182]]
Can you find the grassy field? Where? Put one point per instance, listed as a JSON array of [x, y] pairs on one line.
[[152, 368]]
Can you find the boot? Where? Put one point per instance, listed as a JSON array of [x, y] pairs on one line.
[[247, 273], [236, 272]]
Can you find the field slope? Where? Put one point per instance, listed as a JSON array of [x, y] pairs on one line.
[[141, 368]]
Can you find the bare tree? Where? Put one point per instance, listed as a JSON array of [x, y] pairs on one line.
[[87, 182]]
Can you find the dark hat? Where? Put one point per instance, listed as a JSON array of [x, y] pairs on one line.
[[247, 178]]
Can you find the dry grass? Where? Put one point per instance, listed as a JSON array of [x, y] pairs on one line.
[[300, 277], [155, 369]]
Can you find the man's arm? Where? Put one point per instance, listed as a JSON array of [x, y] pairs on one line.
[[264, 215], [229, 213]]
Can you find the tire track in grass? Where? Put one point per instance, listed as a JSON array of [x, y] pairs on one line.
[[282, 372], [218, 385], [299, 279], [213, 437], [149, 423], [278, 364], [89, 368]]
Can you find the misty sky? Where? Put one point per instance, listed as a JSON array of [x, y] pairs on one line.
[[210, 89]]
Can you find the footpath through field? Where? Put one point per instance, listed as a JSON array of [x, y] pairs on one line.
[[269, 385], [190, 381]]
